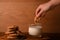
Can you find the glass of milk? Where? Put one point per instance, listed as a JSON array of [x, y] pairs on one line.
[[35, 30]]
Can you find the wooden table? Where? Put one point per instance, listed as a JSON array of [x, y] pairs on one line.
[[46, 36], [28, 38]]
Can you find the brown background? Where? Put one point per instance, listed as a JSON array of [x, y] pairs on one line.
[[21, 13]]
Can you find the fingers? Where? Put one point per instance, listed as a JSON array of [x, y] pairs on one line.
[[38, 16], [37, 10]]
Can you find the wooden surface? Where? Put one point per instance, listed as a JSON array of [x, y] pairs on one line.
[[45, 36], [28, 37]]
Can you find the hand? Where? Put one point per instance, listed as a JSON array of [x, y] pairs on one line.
[[41, 10]]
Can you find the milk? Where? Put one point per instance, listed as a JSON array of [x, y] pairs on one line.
[[35, 30]]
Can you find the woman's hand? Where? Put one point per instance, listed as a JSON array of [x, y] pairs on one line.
[[41, 10]]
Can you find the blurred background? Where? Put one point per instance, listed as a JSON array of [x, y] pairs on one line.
[[21, 13]]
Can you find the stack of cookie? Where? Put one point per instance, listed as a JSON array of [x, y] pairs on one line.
[[12, 31]]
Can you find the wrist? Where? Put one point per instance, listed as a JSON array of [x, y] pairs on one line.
[[51, 3], [54, 2]]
